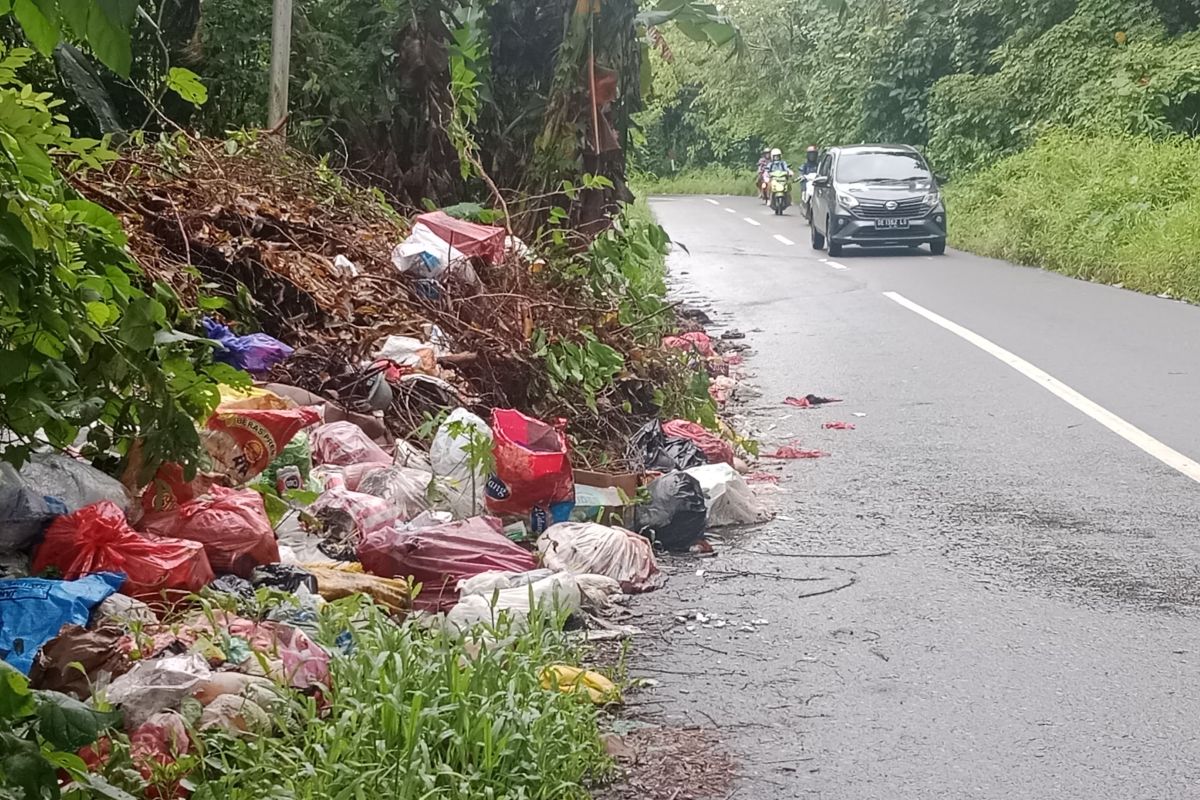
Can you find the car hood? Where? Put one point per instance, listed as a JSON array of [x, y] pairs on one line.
[[887, 191]]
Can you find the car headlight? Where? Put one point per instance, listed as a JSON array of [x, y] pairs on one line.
[[932, 199], [846, 201]]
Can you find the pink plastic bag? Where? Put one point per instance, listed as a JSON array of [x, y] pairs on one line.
[[715, 448], [440, 556], [369, 513], [533, 470], [343, 444], [231, 524], [697, 341], [469, 238], [585, 548]]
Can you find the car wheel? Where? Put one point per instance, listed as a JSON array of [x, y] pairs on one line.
[[818, 238], [938, 247], [835, 249]]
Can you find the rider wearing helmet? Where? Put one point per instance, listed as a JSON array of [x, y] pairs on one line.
[[777, 162], [812, 157]]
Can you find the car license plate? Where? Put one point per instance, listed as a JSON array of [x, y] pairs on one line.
[[892, 222]]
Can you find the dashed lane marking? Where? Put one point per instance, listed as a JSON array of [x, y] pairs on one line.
[[783, 239], [753, 222], [710, 200]]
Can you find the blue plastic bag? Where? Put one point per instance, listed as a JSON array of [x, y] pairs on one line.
[[32, 610], [255, 353]]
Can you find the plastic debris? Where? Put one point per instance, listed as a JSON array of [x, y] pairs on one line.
[[695, 341], [250, 398], [676, 515], [557, 594], [124, 611], [32, 610], [407, 352], [24, 512], [256, 353], [232, 525], [651, 448], [160, 740], [243, 442], [441, 556], [98, 539], [343, 444], [488, 582], [715, 449], [236, 715], [566, 678], [340, 507], [459, 473], [405, 489], [284, 577], [792, 452], [585, 548], [156, 685], [241, 588], [838, 426], [77, 658], [533, 470], [485, 242], [335, 581], [71, 482], [809, 401], [729, 498]]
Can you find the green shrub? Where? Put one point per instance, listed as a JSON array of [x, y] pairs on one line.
[[1111, 208], [705, 180]]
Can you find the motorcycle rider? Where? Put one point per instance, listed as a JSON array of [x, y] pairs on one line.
[[764, 160], [779, 165], [812, 158]]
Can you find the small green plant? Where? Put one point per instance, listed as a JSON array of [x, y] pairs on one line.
[[590, 365]]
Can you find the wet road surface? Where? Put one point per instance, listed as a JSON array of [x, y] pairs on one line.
[[1034, 632]]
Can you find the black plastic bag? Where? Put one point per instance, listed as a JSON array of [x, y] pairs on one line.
[[651, 448], [676, 515], [284, 577], [232, 584]]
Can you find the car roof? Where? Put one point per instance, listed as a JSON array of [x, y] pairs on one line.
[[877, 148]]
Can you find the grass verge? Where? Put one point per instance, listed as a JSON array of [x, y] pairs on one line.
[[706, 180], [415, 714], [1114, 209]]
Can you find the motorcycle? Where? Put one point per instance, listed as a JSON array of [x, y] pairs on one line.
[[764, 187], [807, 194], [781, 197]]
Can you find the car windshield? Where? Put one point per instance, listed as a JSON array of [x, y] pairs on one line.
[[881, 167]]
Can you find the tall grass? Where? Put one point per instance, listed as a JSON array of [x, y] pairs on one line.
[[1115, 209], [417, 715], [701, 180]]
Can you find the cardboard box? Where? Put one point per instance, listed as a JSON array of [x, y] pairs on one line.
[[603, 504]]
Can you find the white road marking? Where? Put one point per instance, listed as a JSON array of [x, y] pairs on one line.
[[1127, 431], [836, 265], [730, 210], [751, 221], [783, 239], [710, 200]]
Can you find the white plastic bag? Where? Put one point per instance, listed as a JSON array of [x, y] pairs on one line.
[[74, 483], [487, 582], [729, 498], [411, 456], [450, 455], [345, 444], [408, 352], [24, 512], [550, 596], [406, 490], [586, 548], [407, 256], [157, 685]]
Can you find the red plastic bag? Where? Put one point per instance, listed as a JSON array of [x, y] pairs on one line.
[[440, 556], [715, 448], [533, 470], [344, 444], [170, 489], [97, 538], [231, 524], [242, 442], [697, 341], [469, 238]]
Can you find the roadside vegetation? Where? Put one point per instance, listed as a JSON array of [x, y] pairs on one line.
[[698, 180], [1074, 117]]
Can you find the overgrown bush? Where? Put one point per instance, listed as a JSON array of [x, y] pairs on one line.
[[1112, 208]]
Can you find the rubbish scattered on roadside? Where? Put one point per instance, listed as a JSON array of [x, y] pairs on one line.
[[485, 242], [793, 452], [158, 742], [77, 657], [231, 524], [344, 444], [860, 413], [123, 611], [721, 389], [838, 426], [559, 593], [71, 483], [408, 352], [587, 548], [651, 448], [566, 678], [715, 449], [533, 476], [32, 610], [762, 477], [155, 685], [284, 577], [457, 459], [404, 489], [335, 581], [728, 496], [733, 333], [24, 512], [255, 353], [696, 341], [97, 538], [441, 556], [488, 582], [339, 507], [243, 442], [809, 401], [241, 588], [676, 515]]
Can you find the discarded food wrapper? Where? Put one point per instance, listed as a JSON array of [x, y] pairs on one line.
[[98, 539], [251, 397], [459, 473], [587, 548], [439, 557], [809, 401], [243, 443], [533, 476], [729, 498], [566, 678], [715, 449], [32, 610], [231, 524], [256, 353], [792, 452], [344, 444], [676, 515]]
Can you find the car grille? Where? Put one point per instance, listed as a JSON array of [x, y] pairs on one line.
[[874, 209]]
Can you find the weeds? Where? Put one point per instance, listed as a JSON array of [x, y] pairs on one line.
[[698, 180]]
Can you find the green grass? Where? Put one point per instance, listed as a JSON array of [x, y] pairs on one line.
[[706, 180], [416, 715], [1114, 209]]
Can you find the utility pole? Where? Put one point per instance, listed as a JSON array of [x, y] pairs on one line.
[[281, 52]]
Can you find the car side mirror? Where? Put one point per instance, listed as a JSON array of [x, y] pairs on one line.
[[821, 180]]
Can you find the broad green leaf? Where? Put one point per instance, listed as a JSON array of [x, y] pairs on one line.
[[102, 788], [187, 85], [24, 766], [67, 723], [75, 14], [99, 313], [14, 233], [108, 33], [16, 700], [39, 20]]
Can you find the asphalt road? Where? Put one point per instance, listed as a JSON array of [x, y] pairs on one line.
[[1034, 632]]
